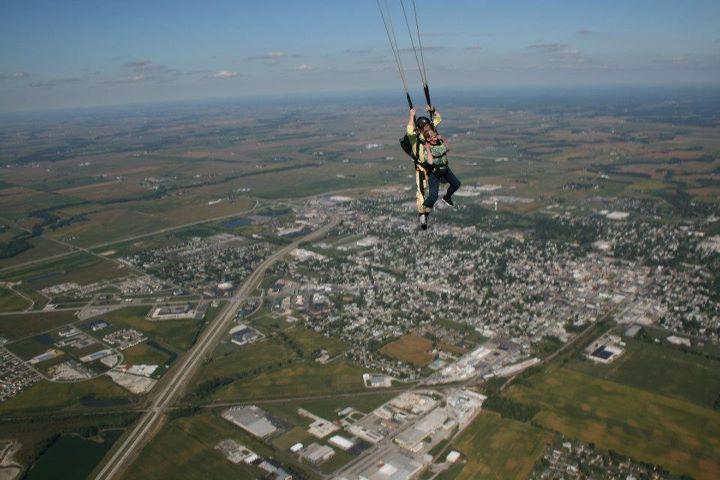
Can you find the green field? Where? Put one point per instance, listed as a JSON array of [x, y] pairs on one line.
[[27, 348], [498, 448], [310, 341], [11, 301], [184, 449], [44, 396], [176, 334], [144, 354], [661, 369], [22, 325], [676, 434], [81, 267], [296, 380]]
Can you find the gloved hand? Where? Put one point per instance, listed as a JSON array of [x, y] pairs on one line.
[[429, 167]]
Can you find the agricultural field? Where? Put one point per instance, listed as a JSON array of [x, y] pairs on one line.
[[81, 268], [498, 448], [296, 379], [676, 434], [661, 369], [11, 301], [16, 326]]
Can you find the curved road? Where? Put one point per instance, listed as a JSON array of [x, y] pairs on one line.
[[125, 451]]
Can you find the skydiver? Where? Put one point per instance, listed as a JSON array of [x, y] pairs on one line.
[[431, 167]]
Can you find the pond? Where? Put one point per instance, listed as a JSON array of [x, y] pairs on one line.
[[72, 457]]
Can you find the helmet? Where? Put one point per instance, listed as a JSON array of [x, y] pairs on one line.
[[421, 122]]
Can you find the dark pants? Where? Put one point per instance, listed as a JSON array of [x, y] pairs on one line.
[[434, 182]]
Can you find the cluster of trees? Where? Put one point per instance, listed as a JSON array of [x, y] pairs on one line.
[[291, 343], [509, 408], [14, 247]]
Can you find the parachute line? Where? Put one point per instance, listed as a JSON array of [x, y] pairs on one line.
[[422, 58], [421, 66], [392, 39]]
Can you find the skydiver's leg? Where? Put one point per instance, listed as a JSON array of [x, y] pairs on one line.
[[432, 195], [454, 184], [420, 191], [421, 188]]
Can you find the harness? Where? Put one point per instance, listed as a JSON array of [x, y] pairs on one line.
[[428, 146]]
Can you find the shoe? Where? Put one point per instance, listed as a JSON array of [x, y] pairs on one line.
[[423, 221], [448, 201], [423, 226]]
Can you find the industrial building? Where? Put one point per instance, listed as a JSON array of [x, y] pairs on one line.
[[316, 453], [605, 349], [394, 466], [242, 335], [251, 419], [173, 312], [412, 438], [341, 442]]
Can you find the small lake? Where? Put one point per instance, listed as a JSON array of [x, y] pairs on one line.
[[72, 457], [237, 222]]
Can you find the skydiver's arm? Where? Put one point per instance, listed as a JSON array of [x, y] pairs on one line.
[[410, 130], [435, 116]]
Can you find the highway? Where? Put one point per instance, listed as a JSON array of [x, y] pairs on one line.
[[171, 387]]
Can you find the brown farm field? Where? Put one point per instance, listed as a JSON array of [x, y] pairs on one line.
[[412, 349]]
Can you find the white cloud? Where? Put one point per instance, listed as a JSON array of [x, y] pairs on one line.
[[277, 55], [13, 75], [55, 82], [225, 74], [139, 64]]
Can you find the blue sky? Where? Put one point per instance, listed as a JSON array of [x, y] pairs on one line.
[[81, 53]]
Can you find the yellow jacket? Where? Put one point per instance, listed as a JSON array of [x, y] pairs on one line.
[[415, 139]]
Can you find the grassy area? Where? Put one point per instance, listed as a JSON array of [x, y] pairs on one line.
[[678, 435], [28, 348], [42, 248], [21, 325], [82, 268], [661, 369], [177, 334], [497, 448], [11, 301], [412, 349], [310, 341], [328, 407], [297, 379], [184, 449], [44, 396], [144, 354]]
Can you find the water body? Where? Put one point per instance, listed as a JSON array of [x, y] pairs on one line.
[[237, 222], [72, 457]]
